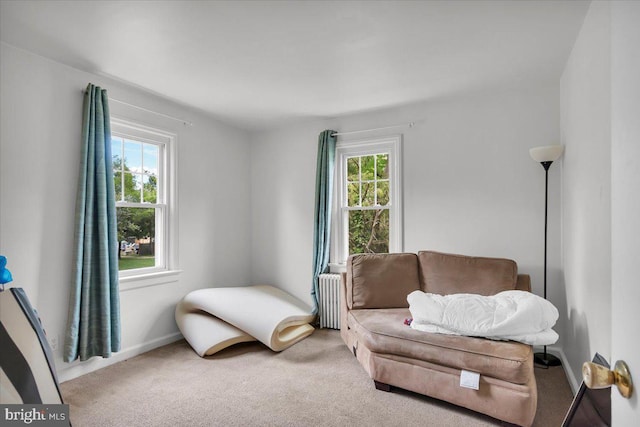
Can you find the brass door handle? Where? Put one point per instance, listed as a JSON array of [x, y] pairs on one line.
[[598, 376]]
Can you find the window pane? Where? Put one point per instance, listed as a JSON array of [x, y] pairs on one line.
[[353, 169], [117, 182], [150, 159], [383, 192], [137, 235], [132, 156], [116, 153], [353, 194], [367, 165], [368, 194], [369, 231], [382, 167], [150, 187], [132, 186]]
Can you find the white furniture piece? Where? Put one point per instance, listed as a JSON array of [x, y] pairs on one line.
[[215, 318]]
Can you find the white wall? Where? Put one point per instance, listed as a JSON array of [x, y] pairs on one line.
[[283, 166], [469, 184], [39, 153], [586, 193]]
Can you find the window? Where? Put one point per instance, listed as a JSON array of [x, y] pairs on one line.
[[143, 174], [368, 213]]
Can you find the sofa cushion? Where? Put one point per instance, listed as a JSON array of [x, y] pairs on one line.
[[454, 274], [383, 331], [381, 280]]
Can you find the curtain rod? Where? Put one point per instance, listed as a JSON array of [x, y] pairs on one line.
[[410, 124], [185, 122]]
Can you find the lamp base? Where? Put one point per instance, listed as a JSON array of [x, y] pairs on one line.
[[546, 359]]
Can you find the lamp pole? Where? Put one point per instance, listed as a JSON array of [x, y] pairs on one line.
[[544, 358], [546, 166]]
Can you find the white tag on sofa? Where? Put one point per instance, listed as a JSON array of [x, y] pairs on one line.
[[470, 380]]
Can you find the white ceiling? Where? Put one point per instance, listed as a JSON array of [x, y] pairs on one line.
[[261, 64]]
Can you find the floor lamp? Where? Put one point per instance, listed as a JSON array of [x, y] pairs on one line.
[[545, 156]]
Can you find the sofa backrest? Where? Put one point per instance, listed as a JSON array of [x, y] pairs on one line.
[[381, 280], [449, 274]]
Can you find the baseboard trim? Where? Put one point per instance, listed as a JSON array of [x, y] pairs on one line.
[[76, 368], [571, 378], [573, 381]]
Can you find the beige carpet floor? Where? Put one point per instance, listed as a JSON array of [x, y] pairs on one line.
[[317, 382]]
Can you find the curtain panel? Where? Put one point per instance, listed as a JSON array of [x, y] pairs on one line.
[[322, 217], [93, 325]]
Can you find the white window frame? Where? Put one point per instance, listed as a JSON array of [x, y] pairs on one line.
[[166, 239], [392, 146]]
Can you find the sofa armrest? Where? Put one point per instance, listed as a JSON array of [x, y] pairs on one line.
[[523, 283]]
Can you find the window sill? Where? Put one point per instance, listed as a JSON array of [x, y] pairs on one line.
[[337, 268], [128, 283]]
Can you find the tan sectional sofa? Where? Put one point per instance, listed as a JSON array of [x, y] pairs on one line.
[[374, 307]]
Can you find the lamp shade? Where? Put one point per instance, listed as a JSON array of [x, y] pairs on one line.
[[547, 153]]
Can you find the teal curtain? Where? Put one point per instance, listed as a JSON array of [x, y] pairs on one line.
[[93, 326], [322, 217]]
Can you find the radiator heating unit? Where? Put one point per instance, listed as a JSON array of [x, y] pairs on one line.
[[329, 301]]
